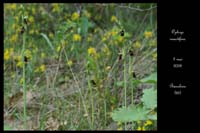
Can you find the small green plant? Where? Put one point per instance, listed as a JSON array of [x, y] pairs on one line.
[[23, 33], [144, 111]]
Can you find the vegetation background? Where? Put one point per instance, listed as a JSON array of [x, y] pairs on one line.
[[72, 66]]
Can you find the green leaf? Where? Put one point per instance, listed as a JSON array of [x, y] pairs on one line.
[[135, 82], [48, 41], [152, 117], [149, 98], [91, 63], [127, 35], [120, 83], [150, 79], [84, 25], [130, 114], [6, 127]]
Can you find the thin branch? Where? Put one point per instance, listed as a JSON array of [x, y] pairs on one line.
[[138, 9], [131, 8]]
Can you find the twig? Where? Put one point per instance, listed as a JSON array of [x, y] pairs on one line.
[[131, 8], [138, 9]]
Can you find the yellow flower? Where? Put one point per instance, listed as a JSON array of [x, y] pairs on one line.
[[76, 37], [137, 45], [152, 43], [154, 55], [55, 7], [11, 50], [75, 16], [113, 19], [141, 128], [87, 14], [113, 33], [42, 68], [148, 34], [119, 128], [28, 53], [119, 123], [6, 55], [17, 58], [106, 50], [13, 38], [31, 32], [148, 122], [20, 64], [11, 6], [43, 55], [120, 39], [21, 81], [92, 51], [31, 19], [69, 63]]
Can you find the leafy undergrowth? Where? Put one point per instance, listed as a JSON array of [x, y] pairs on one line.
[[145, 111], [80, 66]]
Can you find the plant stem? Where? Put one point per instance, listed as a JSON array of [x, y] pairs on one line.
[[92, 102], [124, 80], [105, 112], [130, 72], [79, 88], [24, 78]]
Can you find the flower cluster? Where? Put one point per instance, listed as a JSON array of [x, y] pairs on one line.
[[75, 16], [76, 37], [148, 34], [42, 68]]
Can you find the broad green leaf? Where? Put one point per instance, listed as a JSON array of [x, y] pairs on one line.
[[129, 114], [150, 79], [149, 98]]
